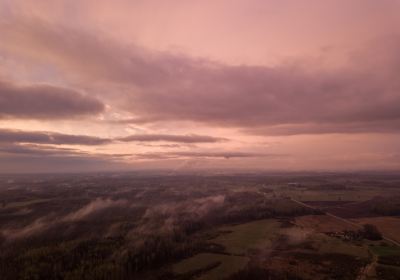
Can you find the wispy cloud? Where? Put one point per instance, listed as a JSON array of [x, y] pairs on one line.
[[204, 154], [192, 138], [45, 137]]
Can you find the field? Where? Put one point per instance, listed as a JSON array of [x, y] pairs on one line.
[[252, 226], [322, 223], [210, 266], [324, 244], [386, 250], [239, 243], [239, 239]]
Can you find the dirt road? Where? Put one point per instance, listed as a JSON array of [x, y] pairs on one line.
[[345, 221]]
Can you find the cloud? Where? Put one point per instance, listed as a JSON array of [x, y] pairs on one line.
[[26, 163], [53, 138], [37, 226], [94, 206], [327, 128], [189, 139], [34, 150], [170, 215], [194, 154], [45, 102], [44, 137], [160, 86], [166, 145], [30, 158], [48, 150], [44, 223]]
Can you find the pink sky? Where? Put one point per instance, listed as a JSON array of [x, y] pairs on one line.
[[185, 85]]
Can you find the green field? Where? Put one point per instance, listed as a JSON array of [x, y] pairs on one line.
[[227, 265], [240, 238], [325, 244], [385, 250]]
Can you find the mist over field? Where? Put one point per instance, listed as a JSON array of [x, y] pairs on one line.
[[212, 226]]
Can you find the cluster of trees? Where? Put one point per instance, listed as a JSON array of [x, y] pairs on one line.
[[96, 259], [368, 231], [341, 266], [256, 212], [157, 250], [64, 260], [126, 257], [254, 272], [107, 258], [249, 206]]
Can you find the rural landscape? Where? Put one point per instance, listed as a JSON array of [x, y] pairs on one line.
[[199, 140], [244, 226]]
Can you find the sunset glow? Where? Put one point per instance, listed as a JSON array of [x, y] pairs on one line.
[[195, 85]]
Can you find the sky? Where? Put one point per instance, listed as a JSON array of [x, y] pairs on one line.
[[181, 85]]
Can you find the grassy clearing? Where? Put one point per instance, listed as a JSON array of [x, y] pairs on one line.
[[385, 250], [237, 240], [247, 236], [324, 244], [331, 245], [227, 265]]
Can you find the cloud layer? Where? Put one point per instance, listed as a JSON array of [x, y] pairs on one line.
[[167, 88], [46, 137], [162, 86], [39, 137], [205, 154], [45, 102], [189, 139]]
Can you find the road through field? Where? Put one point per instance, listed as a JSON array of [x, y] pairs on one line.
[[367, 270], [344, 220]]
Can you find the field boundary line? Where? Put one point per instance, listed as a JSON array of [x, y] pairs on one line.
[[344, 220]]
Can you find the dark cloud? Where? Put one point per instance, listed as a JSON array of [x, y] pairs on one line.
[[36, 150], [159, 86], [39, 137], [41, 158], [192, 138], [45, 137], [45, 102], [31, 164], [53, 151]]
